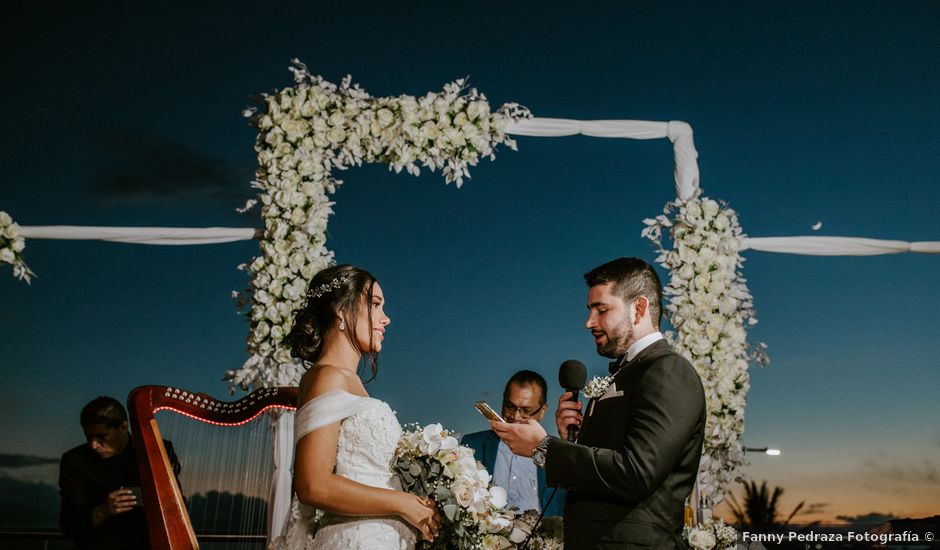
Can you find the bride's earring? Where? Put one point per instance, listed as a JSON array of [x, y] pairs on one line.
[[342, 324]]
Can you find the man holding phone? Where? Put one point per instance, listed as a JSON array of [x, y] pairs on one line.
[[523, 399], [100, 484]]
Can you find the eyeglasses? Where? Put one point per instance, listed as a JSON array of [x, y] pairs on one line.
[[523, 412]]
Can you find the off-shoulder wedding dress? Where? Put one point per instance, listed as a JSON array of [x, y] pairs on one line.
[[369, 432]]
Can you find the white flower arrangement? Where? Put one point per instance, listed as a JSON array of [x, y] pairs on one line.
[[430, 462], [710, 307], [713, 535], [597, 387], [305, 133], [12, 245]]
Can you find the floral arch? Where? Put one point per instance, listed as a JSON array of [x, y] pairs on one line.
[[313, 128]]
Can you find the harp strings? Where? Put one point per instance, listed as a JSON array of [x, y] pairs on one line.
[[226, 474]]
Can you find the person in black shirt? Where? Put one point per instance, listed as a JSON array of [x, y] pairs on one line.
[[99, 509]]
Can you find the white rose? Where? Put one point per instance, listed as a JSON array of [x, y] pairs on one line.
[[273, 137], [495, 542], [7, 256], [337, 118], [441, 105], [282, 150], [295, 129], [262, 329], [702, 280], [722, 222], [710, 208], [463, 492], [12, 231], [19, 244], [297, 216], [385, 117], [693, 210], [455, 136], [336, 135], [429, 131], [5, 219], [477, 109]]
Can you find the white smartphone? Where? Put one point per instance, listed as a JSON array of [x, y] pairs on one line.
[[488, 411]]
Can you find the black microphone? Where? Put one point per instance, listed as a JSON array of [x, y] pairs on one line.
[[572, 376]]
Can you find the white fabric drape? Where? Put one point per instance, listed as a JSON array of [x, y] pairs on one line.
[[678, 132], [837, 246], [141, 235], [281, 485]]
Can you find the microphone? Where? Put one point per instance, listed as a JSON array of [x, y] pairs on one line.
[[572, 376]]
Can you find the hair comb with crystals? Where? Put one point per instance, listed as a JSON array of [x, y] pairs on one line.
[[326, 288]]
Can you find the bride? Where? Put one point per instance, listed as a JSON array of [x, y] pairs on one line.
[[345, 440]]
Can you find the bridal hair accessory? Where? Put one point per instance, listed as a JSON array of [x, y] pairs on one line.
[[326, 288]]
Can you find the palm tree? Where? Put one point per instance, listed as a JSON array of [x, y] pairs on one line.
[[760, 507]]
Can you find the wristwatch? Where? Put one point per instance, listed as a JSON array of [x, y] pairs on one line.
[[540, 452]]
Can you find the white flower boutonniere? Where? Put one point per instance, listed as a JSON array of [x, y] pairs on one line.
[[598, 386]]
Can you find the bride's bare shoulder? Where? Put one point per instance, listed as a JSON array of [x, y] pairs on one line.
[[321, 379]]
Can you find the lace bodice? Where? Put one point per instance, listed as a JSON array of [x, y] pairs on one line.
[[366, 445], [368, 435]]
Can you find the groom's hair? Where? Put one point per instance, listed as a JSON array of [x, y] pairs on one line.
[[525, 378], [632, 278]]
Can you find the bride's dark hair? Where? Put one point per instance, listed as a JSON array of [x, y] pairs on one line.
[[337, 290]]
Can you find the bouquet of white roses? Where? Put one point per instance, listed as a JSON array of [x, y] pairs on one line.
[[11, 247], [713, 535], [431, 463]]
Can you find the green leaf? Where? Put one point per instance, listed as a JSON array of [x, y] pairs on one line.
[[450, 510]]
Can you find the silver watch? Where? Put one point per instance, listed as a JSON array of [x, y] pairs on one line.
[[540, 452]]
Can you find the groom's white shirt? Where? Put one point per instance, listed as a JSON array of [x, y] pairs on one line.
[[642, 344], [632, 352]]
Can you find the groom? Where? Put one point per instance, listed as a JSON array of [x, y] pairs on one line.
[[638, 450]]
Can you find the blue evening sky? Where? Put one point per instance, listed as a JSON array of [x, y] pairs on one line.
[[802, 112]]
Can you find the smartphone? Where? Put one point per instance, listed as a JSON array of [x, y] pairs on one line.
[[137, 495], [488, 411]]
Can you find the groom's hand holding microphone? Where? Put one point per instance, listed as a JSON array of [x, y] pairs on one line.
[[522, 437], [571, 376]]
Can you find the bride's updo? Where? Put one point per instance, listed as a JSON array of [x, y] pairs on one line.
[[335, 291]]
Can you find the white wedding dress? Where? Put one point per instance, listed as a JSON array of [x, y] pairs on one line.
[[369, 432]]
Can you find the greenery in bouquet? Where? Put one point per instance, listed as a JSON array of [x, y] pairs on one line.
[[11, 247], [474, 515], [713, 535]]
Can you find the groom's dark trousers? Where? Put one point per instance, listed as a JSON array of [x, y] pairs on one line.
[[636, 457]]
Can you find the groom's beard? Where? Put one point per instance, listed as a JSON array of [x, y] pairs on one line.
[[617, 343]]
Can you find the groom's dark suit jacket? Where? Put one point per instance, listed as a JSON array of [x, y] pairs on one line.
[[636, 458]]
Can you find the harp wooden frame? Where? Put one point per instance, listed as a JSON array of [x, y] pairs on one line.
[[167, 518]]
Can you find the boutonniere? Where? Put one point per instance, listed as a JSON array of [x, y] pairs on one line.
[[598, 386]]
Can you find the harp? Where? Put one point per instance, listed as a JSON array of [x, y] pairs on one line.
[[168, 520]]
